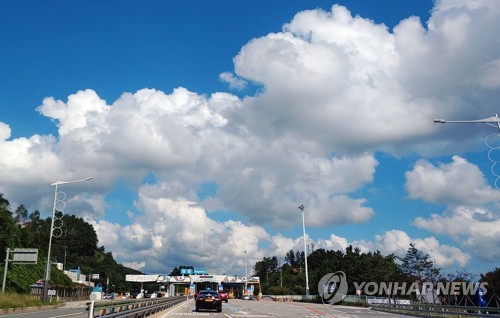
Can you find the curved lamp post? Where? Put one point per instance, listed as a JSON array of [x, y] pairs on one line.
[[47, 269], [305, 248], [492, 121]]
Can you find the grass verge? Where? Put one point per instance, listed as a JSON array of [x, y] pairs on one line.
[[13, 300]]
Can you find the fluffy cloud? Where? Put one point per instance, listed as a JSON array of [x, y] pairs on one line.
[[398, 242], [475, 229], [470, 218], [335, 243], [173, 231], [351, 83], [234, 82], [4, 131], [458, 182], [170, 231], [343, 210]]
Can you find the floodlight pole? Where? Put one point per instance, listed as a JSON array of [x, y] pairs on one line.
[[246, 274], [47, 269], [301, 208]]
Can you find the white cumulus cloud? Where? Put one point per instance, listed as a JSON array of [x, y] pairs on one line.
[[234, 82], [458, 182]]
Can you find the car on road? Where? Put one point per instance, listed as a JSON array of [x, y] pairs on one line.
[[208, 299], [224, 296]]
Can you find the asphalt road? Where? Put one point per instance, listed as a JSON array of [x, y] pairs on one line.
[[75, 309], [237, 308]]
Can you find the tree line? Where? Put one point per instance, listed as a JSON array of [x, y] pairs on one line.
[[286, 275]]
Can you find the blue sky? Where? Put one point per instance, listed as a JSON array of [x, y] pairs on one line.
[[212, 121]]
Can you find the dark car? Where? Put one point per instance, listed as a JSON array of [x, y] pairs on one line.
[[208, 299], [223, 296]]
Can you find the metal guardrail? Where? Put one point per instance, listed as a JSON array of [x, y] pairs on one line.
[[428, 310], [133, 308]]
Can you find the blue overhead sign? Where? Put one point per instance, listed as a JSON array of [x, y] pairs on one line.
[[186, 271], [200, 271]]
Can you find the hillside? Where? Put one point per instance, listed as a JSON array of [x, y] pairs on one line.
[[76, 247]]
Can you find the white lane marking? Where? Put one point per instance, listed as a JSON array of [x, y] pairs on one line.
[[169, 311]]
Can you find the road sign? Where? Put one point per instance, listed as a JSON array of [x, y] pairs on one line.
[[141, 278], [187, 271], [25, 255]]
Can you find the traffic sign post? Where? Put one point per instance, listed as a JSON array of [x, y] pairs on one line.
[[20, 256], [25, 256]]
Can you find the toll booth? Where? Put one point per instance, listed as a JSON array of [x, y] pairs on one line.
[[235, 286]]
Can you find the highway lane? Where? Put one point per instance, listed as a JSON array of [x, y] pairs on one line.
[[237, 308]]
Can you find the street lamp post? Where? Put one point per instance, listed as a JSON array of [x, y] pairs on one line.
[[305, 248], [47, 269], [492, 121], [246, 274]]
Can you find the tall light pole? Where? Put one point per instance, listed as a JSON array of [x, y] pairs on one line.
[[246, 274], [301, 207], [47, 269]]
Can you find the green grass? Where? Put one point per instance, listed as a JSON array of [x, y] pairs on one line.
[[13, 300]]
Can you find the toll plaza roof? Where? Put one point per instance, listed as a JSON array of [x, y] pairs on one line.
[[221, 279]]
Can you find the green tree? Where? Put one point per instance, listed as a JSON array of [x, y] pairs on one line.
[[263, 269], [9, 233], [35, 216], [175, 272], [266, 266], [74, 244], [21, 214], [493, 280], [418, 267], [372, 266], [290, 258]]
